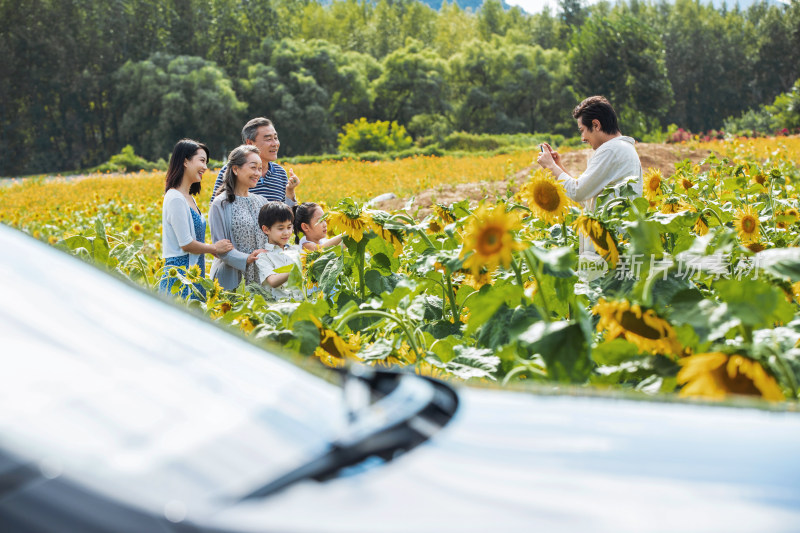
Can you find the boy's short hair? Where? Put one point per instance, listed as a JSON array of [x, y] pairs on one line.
[[274, 212], [597, 107]]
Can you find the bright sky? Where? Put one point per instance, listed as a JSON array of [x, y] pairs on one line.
[[534, 6]]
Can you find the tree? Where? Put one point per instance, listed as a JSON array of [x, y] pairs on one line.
[[310, 90], [412, 83], [709, 58], [165, 98], [620, 58], [507, 88]]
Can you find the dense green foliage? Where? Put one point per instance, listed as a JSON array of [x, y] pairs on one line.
[[363, 136], [781, 116], [82, 79]]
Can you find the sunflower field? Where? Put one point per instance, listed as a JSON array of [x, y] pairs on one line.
[[692, 288]]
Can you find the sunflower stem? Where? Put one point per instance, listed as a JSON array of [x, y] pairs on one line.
[[361, 251], [534, 266], [709, 210], [412, 341], [517, 272], [564, 229], [451, 295]]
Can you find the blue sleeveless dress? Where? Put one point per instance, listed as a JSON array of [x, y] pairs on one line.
[[181, 262]]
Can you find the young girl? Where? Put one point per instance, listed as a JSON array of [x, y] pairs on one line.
[[183, 230], [315, 233]]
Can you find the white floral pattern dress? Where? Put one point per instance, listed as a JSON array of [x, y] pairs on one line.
[[247, 235]]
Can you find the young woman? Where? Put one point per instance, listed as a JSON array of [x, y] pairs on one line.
[[183, 228], [234, 217]]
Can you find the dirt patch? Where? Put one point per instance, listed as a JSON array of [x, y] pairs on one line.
[[660, 156]]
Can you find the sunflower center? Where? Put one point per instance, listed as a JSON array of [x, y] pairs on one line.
[[740, 384], [546, 196], [748, 224], [654, 183], [634, 324], [490, 241]]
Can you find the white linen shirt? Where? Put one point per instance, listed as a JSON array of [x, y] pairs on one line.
[[274, 258], [615, 160], [177, 226]]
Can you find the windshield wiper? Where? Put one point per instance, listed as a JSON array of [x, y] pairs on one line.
[[389, 414]]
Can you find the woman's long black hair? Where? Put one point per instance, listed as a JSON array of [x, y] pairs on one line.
[[185, 149]]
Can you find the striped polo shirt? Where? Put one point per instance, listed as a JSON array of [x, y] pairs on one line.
[[271, 186]]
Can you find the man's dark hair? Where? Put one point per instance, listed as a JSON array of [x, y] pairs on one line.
[[251, 128], [185, 149], [597, 107], [274, 212]]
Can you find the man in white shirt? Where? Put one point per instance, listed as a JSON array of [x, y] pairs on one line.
[[614, 159]]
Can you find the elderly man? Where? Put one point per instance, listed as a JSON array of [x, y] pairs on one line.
[[614, 158], [275, 184]]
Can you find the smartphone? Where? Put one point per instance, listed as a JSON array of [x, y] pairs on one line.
[[541, 148]]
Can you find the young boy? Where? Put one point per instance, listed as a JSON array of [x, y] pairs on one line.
[[277, 223]]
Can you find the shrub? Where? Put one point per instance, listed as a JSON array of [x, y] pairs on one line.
[[127, 161], [382, 136]]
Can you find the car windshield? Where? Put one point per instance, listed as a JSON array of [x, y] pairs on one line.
[[103, 379]]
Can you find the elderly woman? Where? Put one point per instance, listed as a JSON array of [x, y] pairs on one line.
[[234, 216], [183, 227]]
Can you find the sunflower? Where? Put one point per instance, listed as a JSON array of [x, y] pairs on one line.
[[52, 239], [425, 368], [333, 350], [137, 228], [652, 183], [760, 178], [645, 329], [489, 237], [603, 240], [747, 225], [756, 247], [701, 226], [792, 212], [246, 325], [221, 308], [673, 205], [193, 273], [545, 198], [433, 226], [353, 227], [715, 375], [686, 183], [401, 355], [445, 213], [796, 291], [213, 293], [387, 235]]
